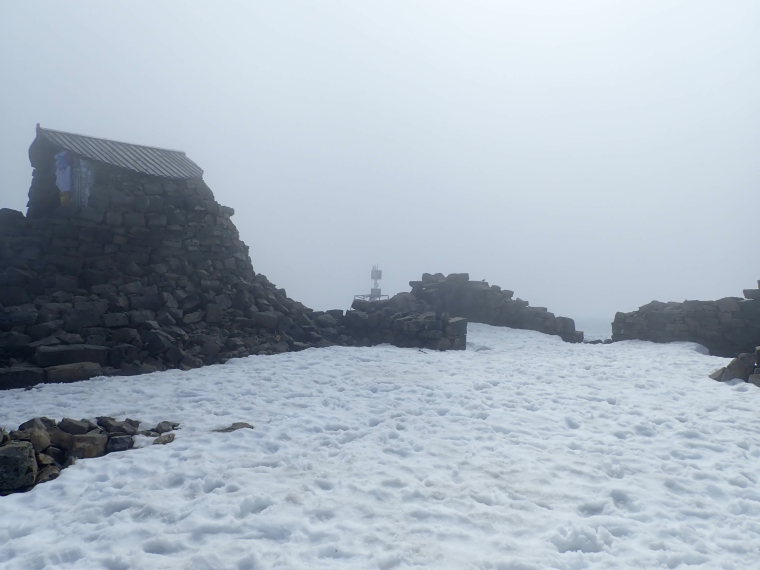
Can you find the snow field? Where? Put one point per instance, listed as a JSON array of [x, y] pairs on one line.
[[521, 453]]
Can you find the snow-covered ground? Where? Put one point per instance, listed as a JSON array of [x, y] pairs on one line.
[[522, 453]]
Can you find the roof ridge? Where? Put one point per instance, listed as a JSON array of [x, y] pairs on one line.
[[44, 130]]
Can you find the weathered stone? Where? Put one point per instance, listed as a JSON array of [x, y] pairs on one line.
[[48, 473], [76, 427], [119, 443], [92, 444], [20, 377], [68, 354], [164, 439], [115, 320], [740, 367], [234, 427], [20, 315], [60, 440], [73, 372], [156, 341], [39, 438], [164, 427], [112, 426], [266, 319], [18, 466], [753, 294]]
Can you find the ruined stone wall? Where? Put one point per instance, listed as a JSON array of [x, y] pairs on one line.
[[477, 301], [404, 321], [726, 327], [150, 275]]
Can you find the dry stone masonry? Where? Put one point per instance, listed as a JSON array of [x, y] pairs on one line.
[[40, 448], [479, 302], [727, 327], [130, 266]]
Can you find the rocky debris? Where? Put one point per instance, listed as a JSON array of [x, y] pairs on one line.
[[40, 448], [727, 327], [404, 321], [234, 427], [164, 439], [745, 367], [479, 302]]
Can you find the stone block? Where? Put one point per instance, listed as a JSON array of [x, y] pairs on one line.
[[46, 356], [113, 426], [753, 294], [115, 320], [73, 372], [119, 443], [20, 377], [19, 315], [18, 466], [92, 444]]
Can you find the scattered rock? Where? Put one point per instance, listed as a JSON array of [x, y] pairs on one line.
[[41, 448], [164, 439], [164, 427], [234, 427]]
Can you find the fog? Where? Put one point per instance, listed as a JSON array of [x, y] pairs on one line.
[[590, 155]]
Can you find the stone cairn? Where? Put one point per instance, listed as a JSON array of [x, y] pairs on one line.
[[479, 302], [40, 448], [727, 327]]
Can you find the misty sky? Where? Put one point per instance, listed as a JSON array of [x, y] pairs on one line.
[[590, 155]]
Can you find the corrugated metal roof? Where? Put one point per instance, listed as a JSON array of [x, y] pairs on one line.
[[145, 159]]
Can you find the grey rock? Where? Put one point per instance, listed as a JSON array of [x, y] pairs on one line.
[[164, 439], [112, 426], [68, 354], [119, 443], [76, 427], [92, 444], [164, 427], [48, 473], [234, 427], [18, 466], [73, 372], [20, 377]]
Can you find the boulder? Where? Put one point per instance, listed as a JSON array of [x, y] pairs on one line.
[[234, 427], [18, 466], [741, 367], [73, 372], [112, 426], [39, 438], [119, 443], [76, 427], [164, 439], [92, 444], [20, 376]]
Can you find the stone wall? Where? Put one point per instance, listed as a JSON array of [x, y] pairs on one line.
[[151, 275], [477, 301], [727, 327], [404, 321]]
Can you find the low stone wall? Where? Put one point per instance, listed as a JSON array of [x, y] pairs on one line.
[[40, 448], [477, 301], [727, 327], [406, 322]]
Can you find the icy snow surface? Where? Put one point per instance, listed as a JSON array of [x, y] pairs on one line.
[[522, 453]]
